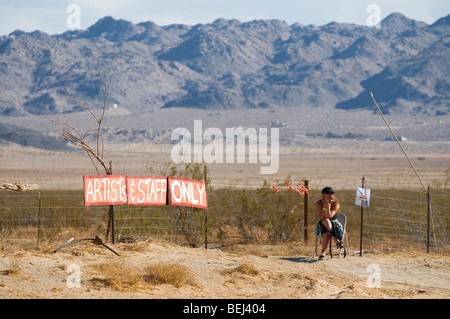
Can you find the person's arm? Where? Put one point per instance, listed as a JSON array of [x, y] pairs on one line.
[[330, 211], [319, 210]]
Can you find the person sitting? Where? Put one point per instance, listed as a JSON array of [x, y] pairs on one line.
[[326, 209]]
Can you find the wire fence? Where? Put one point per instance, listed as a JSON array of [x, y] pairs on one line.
[[401, 220], [41, 218], [396, 220], [55, 212]]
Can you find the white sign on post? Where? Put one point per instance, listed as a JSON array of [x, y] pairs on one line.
[[362, 196]]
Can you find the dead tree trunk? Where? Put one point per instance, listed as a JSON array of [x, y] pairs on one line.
[[110, 226], [74, 136]]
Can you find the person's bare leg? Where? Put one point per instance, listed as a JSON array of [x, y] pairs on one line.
[[325, 242], [326, 236], [327, 224]]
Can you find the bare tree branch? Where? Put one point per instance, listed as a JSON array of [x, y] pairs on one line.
[[74, 136], [78, 102], [71, 134]]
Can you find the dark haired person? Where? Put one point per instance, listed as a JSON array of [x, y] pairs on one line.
[[326, 209]]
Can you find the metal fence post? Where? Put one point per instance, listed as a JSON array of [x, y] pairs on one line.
[[39, 219], [206, 212], [428, 219], [361, 234]]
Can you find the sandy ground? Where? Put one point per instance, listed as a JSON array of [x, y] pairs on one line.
[[221, 274]]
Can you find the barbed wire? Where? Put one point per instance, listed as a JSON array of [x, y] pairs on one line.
[[19, 214]]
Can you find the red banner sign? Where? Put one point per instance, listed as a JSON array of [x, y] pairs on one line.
[[143, 190], [104, 190], [146, 190], [187, 192]]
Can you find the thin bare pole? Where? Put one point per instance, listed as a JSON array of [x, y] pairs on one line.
[[205, 211], [393, 134], [39, 218], [362, 214], [305, 213]]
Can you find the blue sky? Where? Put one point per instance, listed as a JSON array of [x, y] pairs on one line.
[[51, 15]]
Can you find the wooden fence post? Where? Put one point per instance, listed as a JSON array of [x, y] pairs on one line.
[[305, 214], [110, 226]]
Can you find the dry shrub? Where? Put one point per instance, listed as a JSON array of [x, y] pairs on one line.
[[120, 276], [246, 269], [124, 277], [173, 274]]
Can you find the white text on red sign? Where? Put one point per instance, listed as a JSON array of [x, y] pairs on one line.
[[143, 190], [105, 190], [187, 192]]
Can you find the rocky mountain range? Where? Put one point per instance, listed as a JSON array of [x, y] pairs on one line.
[[229, 64]]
